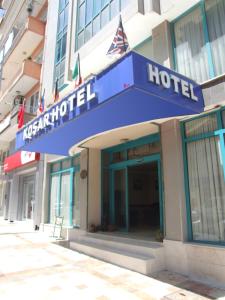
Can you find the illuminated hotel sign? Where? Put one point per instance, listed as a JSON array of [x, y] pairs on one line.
[[60, 110]]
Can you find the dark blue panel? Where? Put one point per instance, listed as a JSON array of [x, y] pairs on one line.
[[124, 97], [141, 81], [121, 111]]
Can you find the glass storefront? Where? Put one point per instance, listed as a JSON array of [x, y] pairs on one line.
[[204, 149], [64, 191]]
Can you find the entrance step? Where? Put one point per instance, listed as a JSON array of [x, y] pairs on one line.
[[142, 256]]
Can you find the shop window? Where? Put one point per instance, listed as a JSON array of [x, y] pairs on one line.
[[207, 190], [144, 150], [94, 15], [205, 175], [201, 125], [64, 191]]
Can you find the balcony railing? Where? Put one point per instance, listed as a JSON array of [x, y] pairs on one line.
[[12, 117]]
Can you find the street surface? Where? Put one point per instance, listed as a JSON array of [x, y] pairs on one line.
[[33, 267]]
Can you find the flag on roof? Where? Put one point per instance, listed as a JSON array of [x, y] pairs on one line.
[[41, 105], [56, 91], [76, 72], [120, 42], [20, 117]]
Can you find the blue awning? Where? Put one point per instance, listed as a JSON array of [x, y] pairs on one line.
[[131, 91]]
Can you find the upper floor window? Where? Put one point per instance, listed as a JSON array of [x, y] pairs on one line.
[[32, 103], [61, 41], [215, 13], [93, 15], [199, 40]]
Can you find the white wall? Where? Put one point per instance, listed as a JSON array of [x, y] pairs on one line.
[[199, 262], [49, 51]]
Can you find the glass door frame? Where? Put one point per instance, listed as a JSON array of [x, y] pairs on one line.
[[26, 181], [125, 165], [112, 197], [72, 171]]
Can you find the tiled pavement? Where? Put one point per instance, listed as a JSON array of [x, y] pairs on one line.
[[31, 267]]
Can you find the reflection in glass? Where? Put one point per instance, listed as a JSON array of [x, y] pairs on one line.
[[120, 198]]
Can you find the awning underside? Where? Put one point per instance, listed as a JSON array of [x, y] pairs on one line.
[[129, 107]]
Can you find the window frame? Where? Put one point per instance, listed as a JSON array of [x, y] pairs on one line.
[[72, 169], [219, 132], [200, 5], [155, 137], [94, 16], [59, 38]]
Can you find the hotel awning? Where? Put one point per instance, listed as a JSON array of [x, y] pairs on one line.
[[131, 91]]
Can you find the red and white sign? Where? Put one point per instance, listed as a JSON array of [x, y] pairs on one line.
[[19, 159]]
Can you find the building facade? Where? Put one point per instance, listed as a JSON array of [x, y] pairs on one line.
[[135, 161], [21, 52]]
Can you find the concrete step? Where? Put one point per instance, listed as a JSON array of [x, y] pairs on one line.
[[122, 243], [141, 256]]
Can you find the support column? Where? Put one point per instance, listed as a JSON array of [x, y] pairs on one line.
[[94, 187], [162, 44], [174, 194]]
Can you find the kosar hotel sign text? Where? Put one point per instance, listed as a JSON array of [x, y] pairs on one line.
[[62, 109]]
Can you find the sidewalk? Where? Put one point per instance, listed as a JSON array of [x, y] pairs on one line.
[[32, 267]]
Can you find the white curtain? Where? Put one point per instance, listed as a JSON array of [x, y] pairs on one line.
[[215, 12], [207, 189], [65, 208], [201, 125], [190, 47], [76, 207], [54, 198]]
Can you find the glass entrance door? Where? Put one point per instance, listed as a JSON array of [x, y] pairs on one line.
[[65, 199], [120, 199], [28, 199], [136, 196]]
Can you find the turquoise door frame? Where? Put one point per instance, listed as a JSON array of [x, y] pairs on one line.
[[124, 165], [72, 171], [112, 197]]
